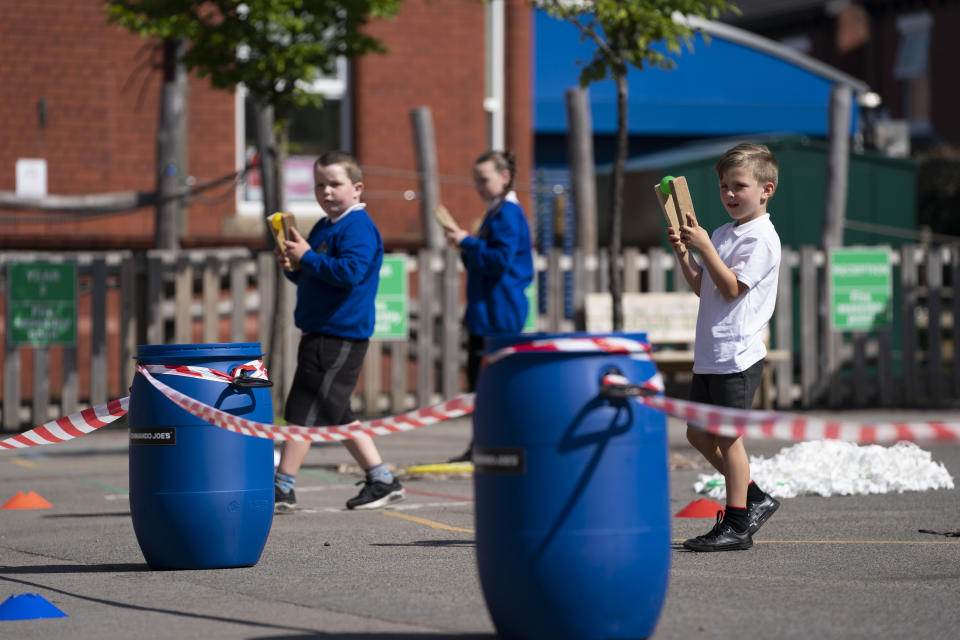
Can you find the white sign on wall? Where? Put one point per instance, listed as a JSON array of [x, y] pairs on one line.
[[31, 177]]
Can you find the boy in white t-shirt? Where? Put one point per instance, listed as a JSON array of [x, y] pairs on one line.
[[736, 280]]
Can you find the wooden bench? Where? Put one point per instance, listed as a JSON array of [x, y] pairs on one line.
[[670, 322]]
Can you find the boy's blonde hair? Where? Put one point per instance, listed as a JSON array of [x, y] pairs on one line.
[[756, 156], [344, 159]]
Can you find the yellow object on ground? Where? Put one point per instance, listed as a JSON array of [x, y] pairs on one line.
[[444, 467]]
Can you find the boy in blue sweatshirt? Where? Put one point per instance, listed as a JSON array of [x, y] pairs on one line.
[[336, 285]]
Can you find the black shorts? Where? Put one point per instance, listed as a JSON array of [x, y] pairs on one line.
[[327, 372], [475, 346], [735, 390]]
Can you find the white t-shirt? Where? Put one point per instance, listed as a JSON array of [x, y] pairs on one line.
[[730, 333]]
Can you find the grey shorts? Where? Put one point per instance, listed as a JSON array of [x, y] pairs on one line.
[[327, 372], [735, 390]]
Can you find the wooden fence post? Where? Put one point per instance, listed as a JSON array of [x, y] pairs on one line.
[[289, 337], [784, 328], [425, 361], [98, 332], [631, 270], [398, 376], [153, 303], [130, 274], [955, 308], [266, 314], [210, 295], [934, 382], [908, 302], [238, 299], [656, 275], [810, 369], [450, 348], [554, 290], [372, 378], [11, 385]]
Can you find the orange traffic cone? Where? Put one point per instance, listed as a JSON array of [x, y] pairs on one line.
[[26, 501], [701, 508]]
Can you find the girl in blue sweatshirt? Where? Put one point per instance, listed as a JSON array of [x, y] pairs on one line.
[[498, 260]]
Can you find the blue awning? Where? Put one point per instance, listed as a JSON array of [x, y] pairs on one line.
[[732, 83]]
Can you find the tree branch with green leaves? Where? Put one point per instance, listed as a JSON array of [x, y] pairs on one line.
[[638, 33]]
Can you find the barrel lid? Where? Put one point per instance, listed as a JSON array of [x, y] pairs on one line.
[[203, 350]]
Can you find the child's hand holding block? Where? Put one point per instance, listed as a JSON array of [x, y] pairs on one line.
[[280, 225]]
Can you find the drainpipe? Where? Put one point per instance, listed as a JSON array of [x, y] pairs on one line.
[[493, 103]]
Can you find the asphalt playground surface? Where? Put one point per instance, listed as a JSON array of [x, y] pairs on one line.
[[838, 567]]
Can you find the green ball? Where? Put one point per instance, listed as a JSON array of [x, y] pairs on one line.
[[665, 185]]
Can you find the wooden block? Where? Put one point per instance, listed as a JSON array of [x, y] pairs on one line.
[[669, 208], [280, 224], [680, 195], [444, 218]]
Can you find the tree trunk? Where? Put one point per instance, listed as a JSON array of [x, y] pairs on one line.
[[268, 152], [271, 180], [838, 166], [616, 200], [171, 140], [582, 174], [425, 148]]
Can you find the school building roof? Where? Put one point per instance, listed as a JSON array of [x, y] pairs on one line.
[[729, 82]]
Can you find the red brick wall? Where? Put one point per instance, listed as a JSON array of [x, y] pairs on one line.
[[102, 104], [436, 59]]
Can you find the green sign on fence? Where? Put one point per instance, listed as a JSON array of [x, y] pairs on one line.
[[861, 289], [531, 325], [42, 303], [392, 305]]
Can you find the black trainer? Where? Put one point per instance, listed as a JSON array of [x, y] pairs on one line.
[[284, 502], [760, 512], [374, 495], [721, 538]]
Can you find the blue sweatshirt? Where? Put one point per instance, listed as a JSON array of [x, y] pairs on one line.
[[338, 282], [499, 263]]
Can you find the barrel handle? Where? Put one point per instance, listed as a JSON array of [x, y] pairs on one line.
[[616, 386], [243, 380]]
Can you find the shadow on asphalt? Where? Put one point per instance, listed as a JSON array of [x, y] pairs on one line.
[[383, 636], [115, 514], [289, 631], [74, 568], [427, 543]]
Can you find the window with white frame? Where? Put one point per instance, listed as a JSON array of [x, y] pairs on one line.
[[313, 130]]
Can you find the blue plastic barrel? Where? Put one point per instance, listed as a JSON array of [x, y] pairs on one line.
[[201, 497], [572, 504]]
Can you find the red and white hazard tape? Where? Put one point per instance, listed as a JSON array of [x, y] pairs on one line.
[[605, 344], [459, 406], [719, 420], [70, 427], [748, 423], [253, 369], [88, 420], [785, 426]]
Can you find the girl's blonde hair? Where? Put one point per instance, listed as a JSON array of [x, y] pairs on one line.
[[502, 161]]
